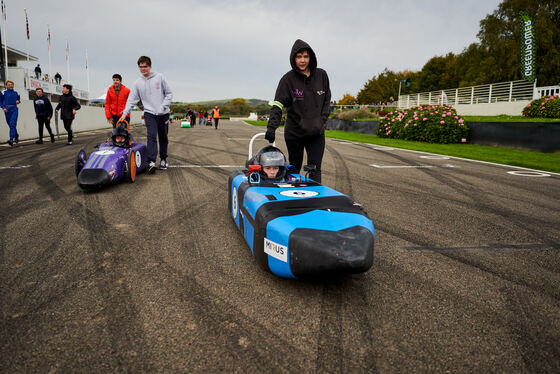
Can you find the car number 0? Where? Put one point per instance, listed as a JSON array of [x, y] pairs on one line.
[[138, 159], [234, 203]]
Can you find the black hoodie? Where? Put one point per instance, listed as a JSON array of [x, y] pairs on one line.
[[307, 99], [67, 102]]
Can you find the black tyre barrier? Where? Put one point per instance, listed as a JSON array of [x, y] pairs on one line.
[[533, 136]]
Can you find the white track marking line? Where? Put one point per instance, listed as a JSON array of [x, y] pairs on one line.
[[374, 146], [15, 167], [204, 166]]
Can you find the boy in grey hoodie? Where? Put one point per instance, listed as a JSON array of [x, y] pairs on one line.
[[156, 96]]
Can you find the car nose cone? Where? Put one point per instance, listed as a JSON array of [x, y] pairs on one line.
[[93, 178]]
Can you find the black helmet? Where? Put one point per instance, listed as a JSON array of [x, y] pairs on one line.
[[122, 131], [271, 156]]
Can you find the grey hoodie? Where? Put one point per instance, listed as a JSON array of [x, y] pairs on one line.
[[154, 92]]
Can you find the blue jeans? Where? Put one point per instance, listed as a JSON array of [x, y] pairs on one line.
[[157, 127]]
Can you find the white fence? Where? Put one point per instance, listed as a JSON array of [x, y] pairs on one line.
[[546, 91], [484, 94]]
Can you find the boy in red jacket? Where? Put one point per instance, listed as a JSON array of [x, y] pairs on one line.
[[115, 101]]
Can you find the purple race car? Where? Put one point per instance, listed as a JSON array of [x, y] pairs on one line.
[[112, 162]]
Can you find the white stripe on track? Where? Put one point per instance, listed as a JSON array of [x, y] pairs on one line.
[[205, 166]]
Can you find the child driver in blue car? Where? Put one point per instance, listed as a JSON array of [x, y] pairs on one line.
[[273, 164]]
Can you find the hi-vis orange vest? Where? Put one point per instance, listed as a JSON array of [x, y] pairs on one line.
[[216, 113]]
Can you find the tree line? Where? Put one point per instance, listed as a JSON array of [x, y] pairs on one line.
[[238, 106], [495, 58]]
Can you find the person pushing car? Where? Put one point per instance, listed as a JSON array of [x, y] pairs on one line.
[[305, 92], [154, 91]]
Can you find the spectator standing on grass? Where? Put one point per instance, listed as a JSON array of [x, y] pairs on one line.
[[43, 114], [305, 92], [154, 91], [68, 106], [115, 101], [10, 101]]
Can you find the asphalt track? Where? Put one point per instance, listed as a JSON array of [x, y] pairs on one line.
[[154, 277]]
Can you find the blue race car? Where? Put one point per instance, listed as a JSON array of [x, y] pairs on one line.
[[122, 158], [294, 226]]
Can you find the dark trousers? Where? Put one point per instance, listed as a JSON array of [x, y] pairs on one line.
[[157, 127], [11, 120], [314, 147], [116, 119], [68, 127], [42, 120], [216, 120]]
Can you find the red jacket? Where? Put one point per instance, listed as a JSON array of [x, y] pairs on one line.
[[114, 105]]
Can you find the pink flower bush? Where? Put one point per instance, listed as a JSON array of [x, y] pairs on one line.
[[438, 124], [545, 107]]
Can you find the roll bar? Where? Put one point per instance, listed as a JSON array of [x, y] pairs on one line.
[[251, 143]]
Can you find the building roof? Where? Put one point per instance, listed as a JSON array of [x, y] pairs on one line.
[[15, 55]]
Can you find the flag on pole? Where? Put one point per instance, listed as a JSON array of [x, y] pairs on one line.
[[67, 50], [49, 36], [3, 11], [26, 24], [86, 59]]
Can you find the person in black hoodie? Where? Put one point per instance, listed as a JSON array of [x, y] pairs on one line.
[[69, 106], [306, 94], [43, 114]]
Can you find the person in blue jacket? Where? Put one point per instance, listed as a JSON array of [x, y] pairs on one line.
[[10, 101], [43, 114]]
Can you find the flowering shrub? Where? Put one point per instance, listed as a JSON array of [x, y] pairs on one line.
[[545, 107], [426, 123]]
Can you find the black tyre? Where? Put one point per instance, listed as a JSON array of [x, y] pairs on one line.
[[81, 159]]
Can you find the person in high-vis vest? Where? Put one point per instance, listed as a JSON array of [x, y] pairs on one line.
[[216, 115]]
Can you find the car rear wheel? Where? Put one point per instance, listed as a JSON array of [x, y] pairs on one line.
[[81, 159], [131, 170]]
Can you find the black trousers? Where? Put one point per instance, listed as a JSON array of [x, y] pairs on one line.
[[216, 120], [314, 147], [68, 127], [42, 120]]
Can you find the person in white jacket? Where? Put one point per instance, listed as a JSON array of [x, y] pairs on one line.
[[154, 91]]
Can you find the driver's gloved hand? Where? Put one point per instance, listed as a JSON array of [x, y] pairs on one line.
[[270, 136]]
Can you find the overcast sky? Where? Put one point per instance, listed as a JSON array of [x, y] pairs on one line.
[[218, 49]]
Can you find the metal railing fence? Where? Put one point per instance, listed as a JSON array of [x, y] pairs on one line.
[[483, 94]]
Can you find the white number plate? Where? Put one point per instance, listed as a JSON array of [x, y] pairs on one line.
[[276, 250]]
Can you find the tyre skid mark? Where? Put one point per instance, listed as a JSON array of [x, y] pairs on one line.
[[413, 238], [122, 318]]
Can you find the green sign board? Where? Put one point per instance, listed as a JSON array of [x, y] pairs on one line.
[[528, 47]]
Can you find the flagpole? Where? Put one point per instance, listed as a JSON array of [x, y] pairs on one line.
[[87, 73], [67, 62], [49, 44], [4, 21], [26, 36]]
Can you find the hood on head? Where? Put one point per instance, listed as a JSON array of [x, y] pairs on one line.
[[298, 46]]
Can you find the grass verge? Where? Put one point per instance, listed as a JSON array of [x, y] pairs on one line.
[[257, 123], [499, 155]]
